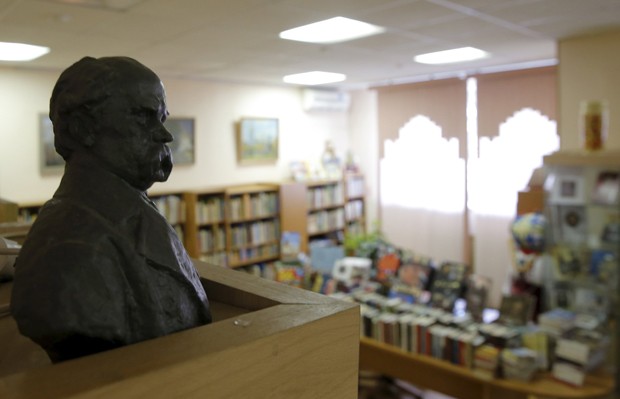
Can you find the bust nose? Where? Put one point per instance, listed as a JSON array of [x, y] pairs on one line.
[[162, 135]]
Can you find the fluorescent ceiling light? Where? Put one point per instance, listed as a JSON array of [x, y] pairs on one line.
[[449, 56], [314, 78], [333, 30], [21, 52]]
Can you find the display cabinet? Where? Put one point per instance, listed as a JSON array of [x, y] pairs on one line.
[[582, 207]]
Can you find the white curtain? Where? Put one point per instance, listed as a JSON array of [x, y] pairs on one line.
[[422, 186]]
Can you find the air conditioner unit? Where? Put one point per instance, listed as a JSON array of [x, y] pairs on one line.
[[325, 100]]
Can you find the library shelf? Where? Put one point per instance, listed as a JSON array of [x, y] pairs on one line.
[[462, 383]]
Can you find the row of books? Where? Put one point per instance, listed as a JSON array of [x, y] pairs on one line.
[[255, 233], [172, 207], [569, 351], [355, 186], [213, 239], [354, 209], [246, 254], [215, 258], [421, 334], [578, 352], [323, 196], [325, 220], [258, 205], [210, 210]]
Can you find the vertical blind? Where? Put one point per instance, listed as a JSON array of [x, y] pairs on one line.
[[499, 97], [502, 94], [443, 101]]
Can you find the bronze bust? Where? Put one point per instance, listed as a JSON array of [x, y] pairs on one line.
[[101, 267]]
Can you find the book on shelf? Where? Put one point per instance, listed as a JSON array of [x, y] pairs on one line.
[[486, 361], [516, 309], [606, 190], [587, 348], [568, 372], [290, 245], [537, 340], [557, 321], [519, 363], [448, 285], [476, 295]]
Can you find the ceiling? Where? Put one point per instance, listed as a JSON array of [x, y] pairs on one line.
[[237, 40]]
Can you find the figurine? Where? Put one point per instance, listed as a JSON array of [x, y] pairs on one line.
[[101, 267]]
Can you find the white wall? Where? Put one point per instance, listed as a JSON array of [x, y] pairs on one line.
[[588, 70], [364, 142], [215, 106]]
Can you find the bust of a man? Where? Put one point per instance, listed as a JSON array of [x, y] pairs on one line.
[[101, 267]]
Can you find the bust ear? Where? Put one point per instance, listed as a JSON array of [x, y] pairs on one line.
[[82, 130]]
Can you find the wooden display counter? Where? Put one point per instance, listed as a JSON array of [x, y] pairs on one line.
[[459, 382], [267, 340]]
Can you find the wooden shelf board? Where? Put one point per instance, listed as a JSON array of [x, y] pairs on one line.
[[431, 373]]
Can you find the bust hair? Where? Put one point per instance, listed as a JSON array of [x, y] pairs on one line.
[[77, 95]]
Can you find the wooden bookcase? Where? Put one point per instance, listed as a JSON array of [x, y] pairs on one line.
[[314, 209], [240, 225], [252, 224], [355, 204], [323, 208], [234, 226], [173, 207], [8, 211], [28, 212], [205, 237]]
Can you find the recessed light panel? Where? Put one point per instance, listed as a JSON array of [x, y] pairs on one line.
[[462, 54], [21, 52], [333, 30], [314, 78]]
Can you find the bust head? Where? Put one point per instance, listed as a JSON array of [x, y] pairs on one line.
[[110, 111]]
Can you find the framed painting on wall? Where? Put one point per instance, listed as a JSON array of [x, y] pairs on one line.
[[50, 161], [257, 140], [182, 147]]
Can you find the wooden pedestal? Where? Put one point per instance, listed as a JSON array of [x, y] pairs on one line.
[[267, 340]]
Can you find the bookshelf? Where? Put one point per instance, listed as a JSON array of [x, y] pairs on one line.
[[462, 383], [27, 212], [355, 206], [314, 209], [8, 211], [252, 224], [234, 226], [240, 225], [172, 206], [206, 225]]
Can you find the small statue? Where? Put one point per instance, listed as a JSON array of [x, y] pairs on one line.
[[330, 162], [101, 267]]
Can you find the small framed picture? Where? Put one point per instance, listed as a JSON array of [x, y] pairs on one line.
[[182, 147], [568, 189], [516, 309], [257, 140], [50, 161]]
